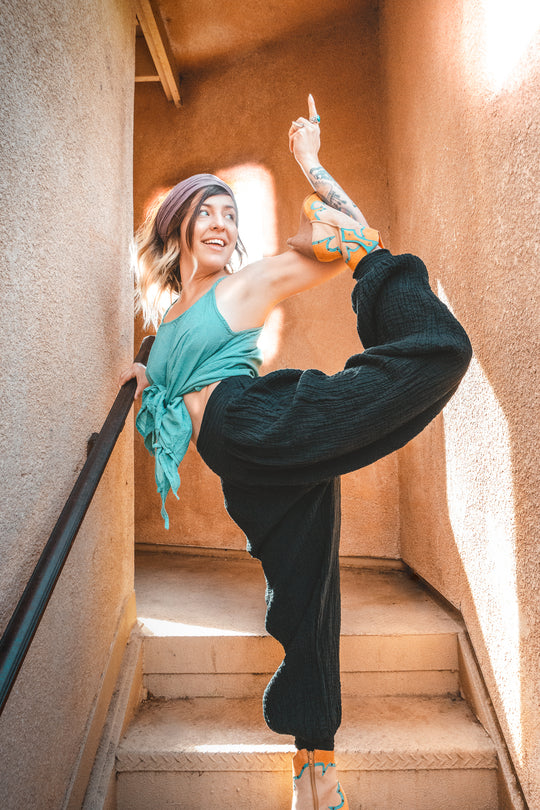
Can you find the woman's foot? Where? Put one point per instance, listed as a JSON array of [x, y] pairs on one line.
[[326, 234], [315, 782]]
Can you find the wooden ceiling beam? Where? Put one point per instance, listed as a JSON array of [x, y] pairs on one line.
[[145, 70], [158, 44]]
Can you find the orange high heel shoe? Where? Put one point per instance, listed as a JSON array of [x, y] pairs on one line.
[[315, 782], [326, 234]]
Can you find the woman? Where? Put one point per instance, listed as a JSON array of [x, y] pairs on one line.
[[281, 441]]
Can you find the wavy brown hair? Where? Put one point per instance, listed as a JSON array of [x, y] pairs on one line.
[[157, 263]]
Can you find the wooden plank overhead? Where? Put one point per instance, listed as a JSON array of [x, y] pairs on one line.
[[158, 44], [145, 70]]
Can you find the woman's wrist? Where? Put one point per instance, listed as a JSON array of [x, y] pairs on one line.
[[308, 163]]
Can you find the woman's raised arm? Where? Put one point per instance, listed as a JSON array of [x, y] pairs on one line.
[[246, 298], [304, 143]]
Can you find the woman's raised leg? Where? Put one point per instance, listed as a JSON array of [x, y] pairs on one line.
[[304, 427]]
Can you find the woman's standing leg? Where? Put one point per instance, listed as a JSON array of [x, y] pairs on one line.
[[294, 532]]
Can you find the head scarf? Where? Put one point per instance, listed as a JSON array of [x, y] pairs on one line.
[[179, 194]]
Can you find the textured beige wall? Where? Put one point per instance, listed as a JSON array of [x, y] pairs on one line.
[[463, 122], [236, 113], [65, 179]]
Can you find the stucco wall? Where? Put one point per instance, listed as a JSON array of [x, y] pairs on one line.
[[238, 113], [67, 328], [463, 125]]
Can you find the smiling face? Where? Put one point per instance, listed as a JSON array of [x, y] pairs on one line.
[[214, 234]]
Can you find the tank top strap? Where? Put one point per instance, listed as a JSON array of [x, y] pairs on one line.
[[168, 308], [213, 287]]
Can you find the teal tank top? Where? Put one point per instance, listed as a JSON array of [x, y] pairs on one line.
[[195, 349]]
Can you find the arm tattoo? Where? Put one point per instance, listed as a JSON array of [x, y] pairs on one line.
[[332, 194]]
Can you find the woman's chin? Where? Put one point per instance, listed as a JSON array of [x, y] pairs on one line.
[[214, 261]]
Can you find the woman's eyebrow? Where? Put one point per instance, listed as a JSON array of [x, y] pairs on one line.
[[212, 205]]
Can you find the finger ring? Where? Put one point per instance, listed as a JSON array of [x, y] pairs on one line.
[[299, 123], [315, 119]]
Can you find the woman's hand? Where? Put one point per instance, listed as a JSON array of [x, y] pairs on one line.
[[138, 371], [305, 138]]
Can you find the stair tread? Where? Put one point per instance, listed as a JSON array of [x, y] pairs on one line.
[[203, 623], [377, 733], [184, 595]]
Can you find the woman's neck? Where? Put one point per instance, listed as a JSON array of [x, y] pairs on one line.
[[198, 283]]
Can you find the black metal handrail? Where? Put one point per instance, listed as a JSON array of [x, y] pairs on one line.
[[26, 617]]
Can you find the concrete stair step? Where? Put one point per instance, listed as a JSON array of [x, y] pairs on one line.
[[406, 753], [203, 625]]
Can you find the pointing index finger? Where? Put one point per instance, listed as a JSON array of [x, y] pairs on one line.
[[311, 107]]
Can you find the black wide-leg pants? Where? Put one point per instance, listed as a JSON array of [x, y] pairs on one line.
[[280, 443]]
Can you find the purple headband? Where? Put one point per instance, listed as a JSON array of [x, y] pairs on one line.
[[179, 194]]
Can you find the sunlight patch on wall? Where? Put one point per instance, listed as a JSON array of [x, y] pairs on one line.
[[253, 187], [270, 339], [481, 509], [508, 30], [156, 298]]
